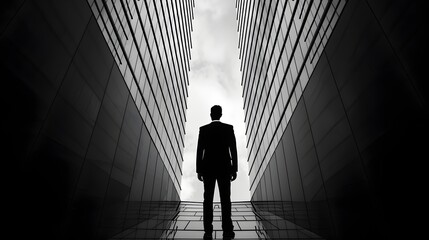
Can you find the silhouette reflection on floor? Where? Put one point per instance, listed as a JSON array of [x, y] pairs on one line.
[[184, 220]]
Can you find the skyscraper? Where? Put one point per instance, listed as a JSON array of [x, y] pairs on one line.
[[330, 88], [150, 41], [96, 94]]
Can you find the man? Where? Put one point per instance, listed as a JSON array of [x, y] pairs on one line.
[[217, 161]]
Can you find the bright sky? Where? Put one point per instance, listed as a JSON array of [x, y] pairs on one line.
[[214, 78]]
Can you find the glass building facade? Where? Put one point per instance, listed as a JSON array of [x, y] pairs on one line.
[[151, 44], [95, 95], [280, 42], [335, 106]]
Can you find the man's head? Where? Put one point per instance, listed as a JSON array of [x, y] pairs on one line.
[[216, 112]]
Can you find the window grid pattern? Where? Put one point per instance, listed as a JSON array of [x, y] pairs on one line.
[[184, 220], [280, 43], [151, 43]]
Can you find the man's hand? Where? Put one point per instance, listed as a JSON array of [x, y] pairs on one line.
[[200, 177], [233, 176]]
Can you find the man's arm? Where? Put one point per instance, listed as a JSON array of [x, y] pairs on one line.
[[233, 150], [200, 152]]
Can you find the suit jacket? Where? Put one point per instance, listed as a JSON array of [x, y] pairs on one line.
[[216, 150]]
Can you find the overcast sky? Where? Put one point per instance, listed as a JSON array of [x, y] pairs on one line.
[[214, 80]]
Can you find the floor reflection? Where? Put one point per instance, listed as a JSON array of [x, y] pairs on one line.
[[185, 221]]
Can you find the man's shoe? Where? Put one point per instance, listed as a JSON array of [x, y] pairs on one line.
[[208, 236], [228, 235]]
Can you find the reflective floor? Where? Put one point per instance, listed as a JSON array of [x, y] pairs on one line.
[[187, 223]]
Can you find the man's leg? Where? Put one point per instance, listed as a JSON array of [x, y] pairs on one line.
[[209, 187], [224, 183]]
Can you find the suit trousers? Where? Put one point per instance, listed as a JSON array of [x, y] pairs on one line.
[[224, 184]]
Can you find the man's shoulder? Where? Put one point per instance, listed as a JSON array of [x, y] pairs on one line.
[[225, 127], [216, 125], [204, 127]]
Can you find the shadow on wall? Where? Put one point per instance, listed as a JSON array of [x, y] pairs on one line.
[[68, 165], [350, 164]]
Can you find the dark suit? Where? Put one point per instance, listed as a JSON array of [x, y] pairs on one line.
[[216, 161]]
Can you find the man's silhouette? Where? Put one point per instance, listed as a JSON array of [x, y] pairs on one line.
[[217, 161]]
